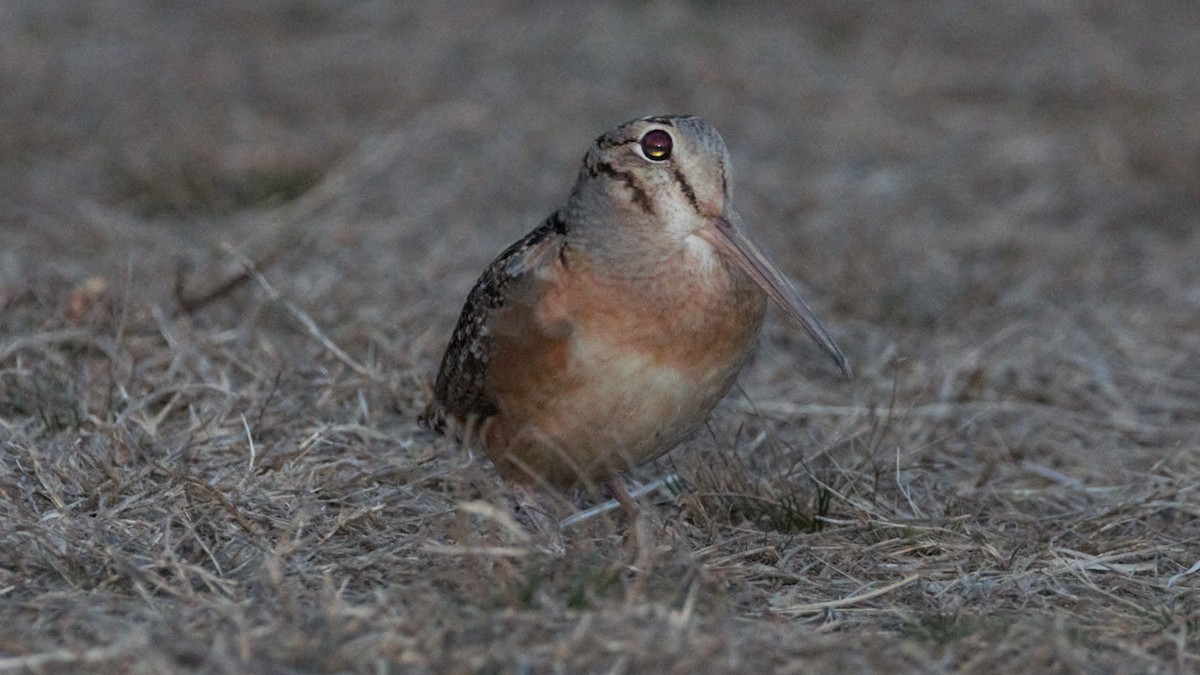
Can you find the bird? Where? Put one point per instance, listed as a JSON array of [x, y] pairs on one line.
[[606, 335]]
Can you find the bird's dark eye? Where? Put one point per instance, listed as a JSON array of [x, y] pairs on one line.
[[656, 145]]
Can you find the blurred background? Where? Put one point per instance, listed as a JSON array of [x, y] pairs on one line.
[[993, 207], [982, 203]]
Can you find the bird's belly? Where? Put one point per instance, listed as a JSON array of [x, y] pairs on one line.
[[612, 389], [643, 403]]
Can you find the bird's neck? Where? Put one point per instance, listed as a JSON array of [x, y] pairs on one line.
[[627, 239]]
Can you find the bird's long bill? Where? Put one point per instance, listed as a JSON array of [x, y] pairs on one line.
[[730, 239]]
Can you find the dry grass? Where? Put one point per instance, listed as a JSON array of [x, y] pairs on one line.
[[995, 213]]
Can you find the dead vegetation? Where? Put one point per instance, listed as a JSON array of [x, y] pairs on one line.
[[236, 235]]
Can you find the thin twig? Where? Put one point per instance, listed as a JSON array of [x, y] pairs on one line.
[[813, 607], [189, 304], [493, 551], [300, 315], [672, 483], [948, 410]]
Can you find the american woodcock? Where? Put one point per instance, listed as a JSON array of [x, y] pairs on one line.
[[606, 335]]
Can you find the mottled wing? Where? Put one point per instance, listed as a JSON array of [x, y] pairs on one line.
[[460, 396]]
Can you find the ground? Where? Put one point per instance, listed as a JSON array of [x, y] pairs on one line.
[[236, 237]]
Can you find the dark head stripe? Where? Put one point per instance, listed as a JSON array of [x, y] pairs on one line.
[[686, 187], [628, 179]]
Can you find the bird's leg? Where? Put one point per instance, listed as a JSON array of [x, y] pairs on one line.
[[627, 502], [639, 539]]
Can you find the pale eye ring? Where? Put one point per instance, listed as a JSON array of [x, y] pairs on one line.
[[656, 145]]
